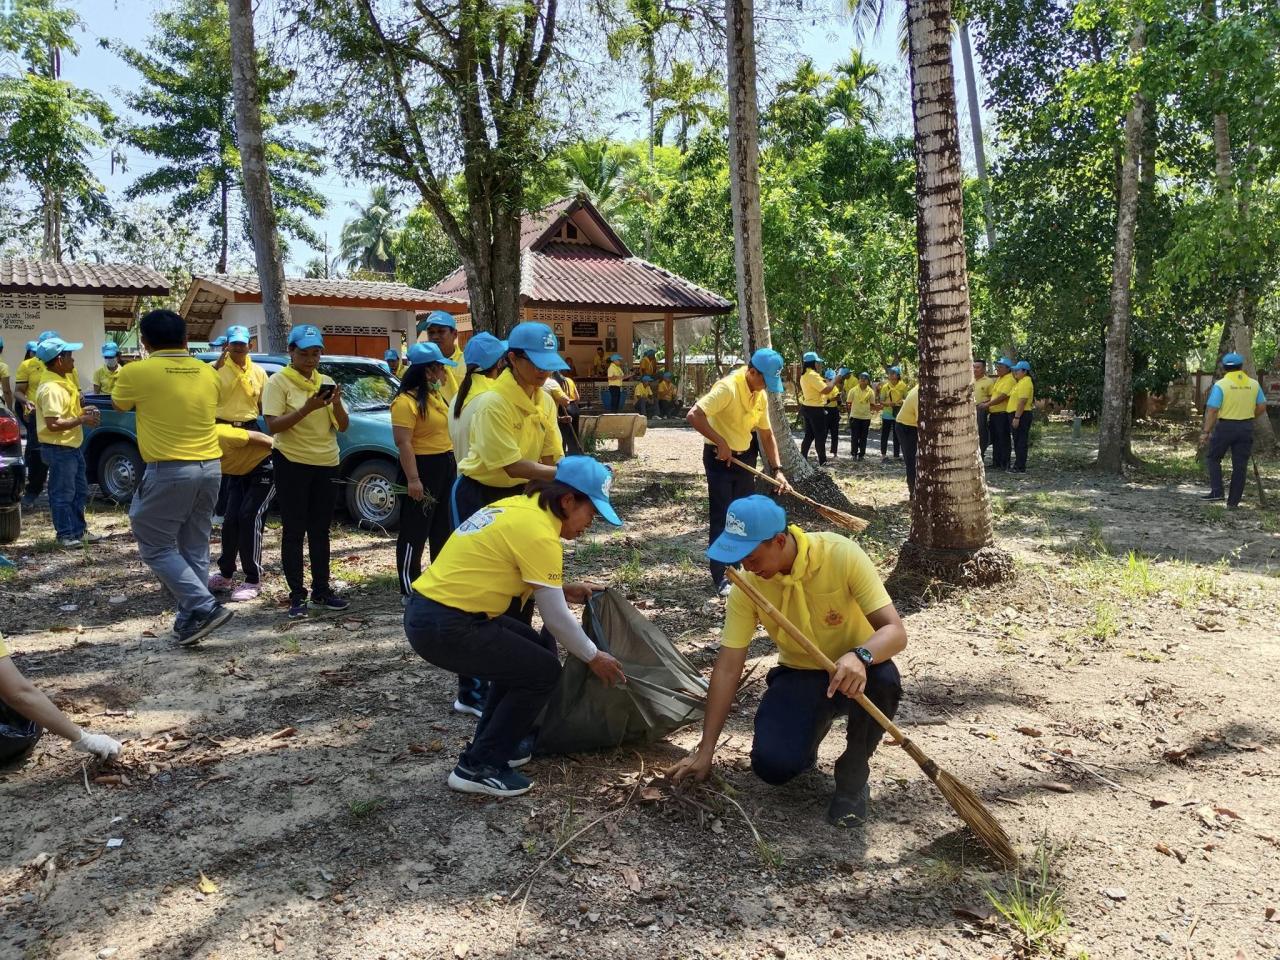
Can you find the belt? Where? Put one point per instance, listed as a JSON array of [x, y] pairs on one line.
[[242, 424]]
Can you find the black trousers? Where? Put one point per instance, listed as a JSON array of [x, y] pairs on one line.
[[858, 430], [1236, 436], [1021, 438], [569, 428], [519, 664], [998, 428], [248, 499], [887, 432], [795, 715], [615, 400], [37, 471], [644, 407], [815, 429], [907, 437], [833, 428], [725, 484], [984, 436], [422, 525], [307, 498]]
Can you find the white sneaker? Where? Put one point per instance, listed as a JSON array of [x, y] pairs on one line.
[[71, 543], [90, 537]]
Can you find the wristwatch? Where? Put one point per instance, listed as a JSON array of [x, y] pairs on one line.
[[864, 655]]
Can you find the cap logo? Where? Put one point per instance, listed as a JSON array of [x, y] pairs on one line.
[[607, 484], [735, 525], [549, 341]]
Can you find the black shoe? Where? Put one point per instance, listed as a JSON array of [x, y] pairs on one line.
[[489, 780], [524, 752], [471, 698], [1214, 497], [849, 811], [330, 601], [203, 624]]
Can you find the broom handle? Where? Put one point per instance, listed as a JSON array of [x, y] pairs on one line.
[[798, 636], [777, 484]]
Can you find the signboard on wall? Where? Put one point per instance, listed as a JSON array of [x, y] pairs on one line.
[[29, 313], [588, 329]]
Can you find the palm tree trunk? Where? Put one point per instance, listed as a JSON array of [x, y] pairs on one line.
[[226, 227], [975, 125], [1117, 392], [744, 191], [51, 248], [950, 533], [257, 183]]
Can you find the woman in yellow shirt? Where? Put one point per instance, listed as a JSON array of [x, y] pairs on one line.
[[1021, 398], [997, 407], [832, 409], [861, 397], [814, 393], [615, 377], [485, 357], [304, 412], [644, 396], [666, 394], [420, 428], [458, 617]]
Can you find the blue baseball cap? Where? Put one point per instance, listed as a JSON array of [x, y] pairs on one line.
[[749, 522], [483, 350], [616, 356], [438, 318], [592, 478], [305, 336], [769, 364], [665, 374], [428, 353], [1022, 365], [829, 374], [811, 357], [220, 342], [1233, 360], [646, 379], [109, 350], [1004, 362], [864, 375], [51, 348], [896, 369], [47, 335], [238, 334], [31, 345], [391, 356], [539, 344], [651, 352]]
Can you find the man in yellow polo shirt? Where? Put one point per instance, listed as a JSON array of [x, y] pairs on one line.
[[733, 416], [615, 377], [60, 421], [26, 382], [1234, 402], [825, 585], [998, 426], [104, 378], [175, 397], [441, 328], [906, 425], [1021, 399], [982, 384], [860, 397]]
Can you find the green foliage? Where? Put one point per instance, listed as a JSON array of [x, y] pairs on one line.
[[423, 254], [185, 99], [368, 241], [1032, 906]]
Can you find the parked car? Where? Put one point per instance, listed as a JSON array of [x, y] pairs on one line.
[[13, 476], [369, 461]]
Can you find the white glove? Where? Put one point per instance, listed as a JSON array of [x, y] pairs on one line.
[[99, 744]]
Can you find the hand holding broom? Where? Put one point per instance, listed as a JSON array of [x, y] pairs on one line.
[[839, 517], [963, 800]]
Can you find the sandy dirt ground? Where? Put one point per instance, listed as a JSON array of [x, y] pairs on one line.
[[282, 788]]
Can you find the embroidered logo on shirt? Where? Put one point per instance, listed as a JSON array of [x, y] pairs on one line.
[[733, 524], [834, 618], [478, 520]]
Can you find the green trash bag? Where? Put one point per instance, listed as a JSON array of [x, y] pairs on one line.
[[663, 692]]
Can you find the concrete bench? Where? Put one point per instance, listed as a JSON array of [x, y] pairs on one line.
[[623, 427]]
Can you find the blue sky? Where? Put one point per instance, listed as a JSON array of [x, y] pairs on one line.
[[824, 39]]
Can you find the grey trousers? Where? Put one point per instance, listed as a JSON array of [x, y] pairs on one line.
[[171, 516]]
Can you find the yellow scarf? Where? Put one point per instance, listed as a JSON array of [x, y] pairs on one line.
[[793, 604], [309, 387], [246, 381]]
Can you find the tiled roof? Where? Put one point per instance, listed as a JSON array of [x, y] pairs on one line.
[[247, 284], [47, 276]]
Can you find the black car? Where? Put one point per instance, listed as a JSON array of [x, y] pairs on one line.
[[13, 476]]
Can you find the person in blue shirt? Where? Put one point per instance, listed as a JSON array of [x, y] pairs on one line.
[[1233, 404]]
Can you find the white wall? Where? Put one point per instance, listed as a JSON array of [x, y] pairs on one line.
[[350, 320], [77, 318]]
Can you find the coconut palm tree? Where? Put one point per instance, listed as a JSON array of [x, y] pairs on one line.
[[599, 169], [685, 96], [368, 240], [856, 94]]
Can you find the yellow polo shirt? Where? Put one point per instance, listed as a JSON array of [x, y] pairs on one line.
[[240, 392], [733, 410], [508, 425], [982, 388], [648, 366], [812, 384], [104, 379], [892, 395], [239, 456], [504, 550], [860, 399], [175, 396], [313, 440], [56, 399], [909, 412], [643, 391], [452, 375], [460, 425], [1239, 396], [666, 390], [1023, 389], [4, 648], [4, 371], [32, 372], [830, 590], [401, 367], [430, 429], [615, 375], [1004, 385]]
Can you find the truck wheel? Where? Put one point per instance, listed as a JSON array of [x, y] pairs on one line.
[[369, 497], [120, 471], [10, 524]]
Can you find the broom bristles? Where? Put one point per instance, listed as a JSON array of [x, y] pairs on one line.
[[842, 519], [967, 805]]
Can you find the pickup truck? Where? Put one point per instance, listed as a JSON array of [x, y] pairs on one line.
[[368, 462]]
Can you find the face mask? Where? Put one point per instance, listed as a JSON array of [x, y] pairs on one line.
[[112, 363]]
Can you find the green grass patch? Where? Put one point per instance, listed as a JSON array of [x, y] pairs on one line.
[[1032, 907], [361, 809]]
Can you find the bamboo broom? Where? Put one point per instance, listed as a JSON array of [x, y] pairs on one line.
[[963, 801], [830, 514]]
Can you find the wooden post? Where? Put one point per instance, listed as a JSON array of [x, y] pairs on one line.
[[669, 338]]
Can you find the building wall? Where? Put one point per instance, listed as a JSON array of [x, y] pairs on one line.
[[77, 318], [360, 331]]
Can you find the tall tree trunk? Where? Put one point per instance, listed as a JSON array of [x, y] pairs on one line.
[[51, 248], [951, 516], [225, 240], [1117, 393], [744, 193], [257, 184], [975, 126]]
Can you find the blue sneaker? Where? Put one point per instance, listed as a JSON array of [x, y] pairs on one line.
[[472, 694], [330, 601], [489, 780], [297, 609], [524, 752]]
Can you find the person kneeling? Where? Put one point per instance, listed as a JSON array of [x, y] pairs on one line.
[[827, 586], [456, 617]]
